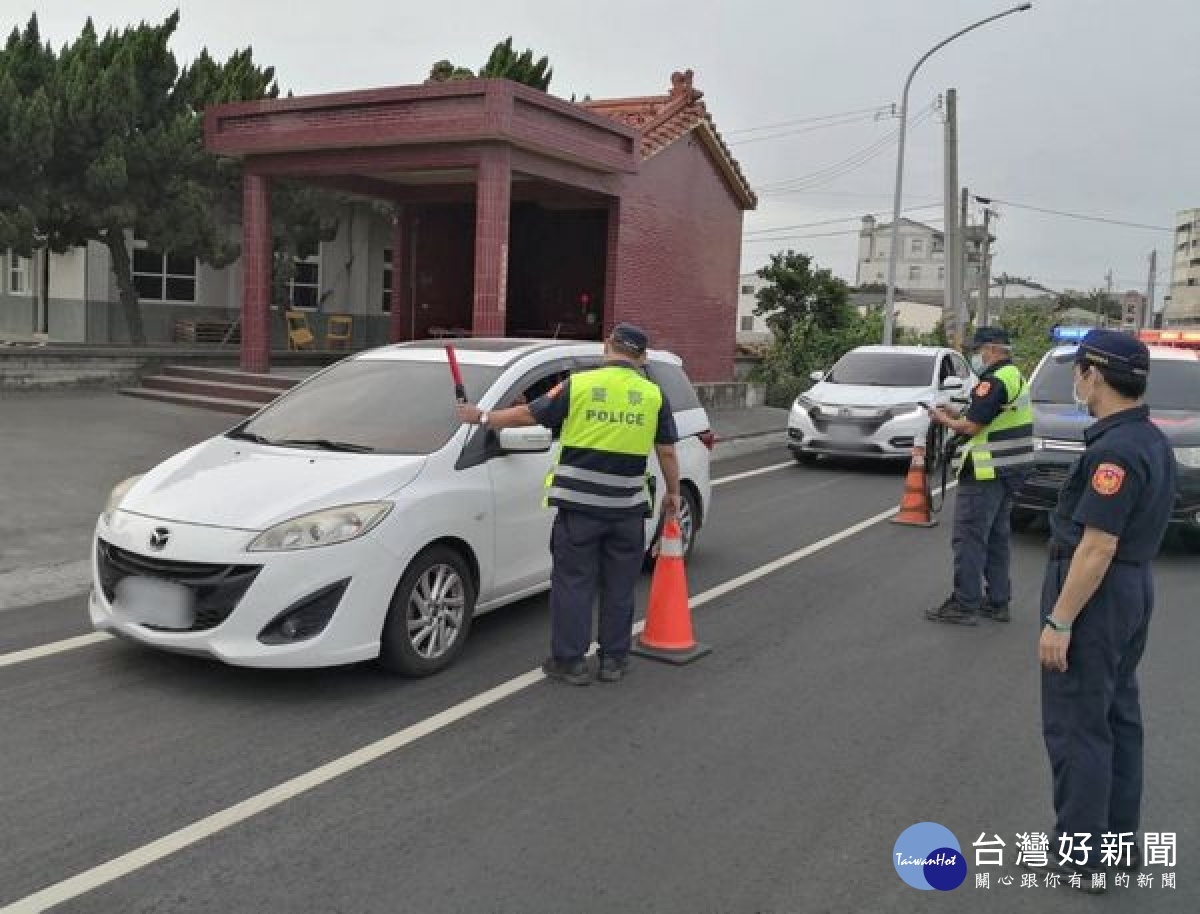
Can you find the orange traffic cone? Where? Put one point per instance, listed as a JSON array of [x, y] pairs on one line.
[[914, 503], [668, 631]]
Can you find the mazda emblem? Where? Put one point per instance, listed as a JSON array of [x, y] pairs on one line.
[[159, 538]]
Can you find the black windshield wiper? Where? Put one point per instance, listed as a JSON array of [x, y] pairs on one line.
[[250, 436], [325, 444]]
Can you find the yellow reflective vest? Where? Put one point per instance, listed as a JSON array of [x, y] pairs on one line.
[[1007, 441]]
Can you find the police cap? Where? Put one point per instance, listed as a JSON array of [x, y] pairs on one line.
[[630, 337], [1114, 352], [985, 335]]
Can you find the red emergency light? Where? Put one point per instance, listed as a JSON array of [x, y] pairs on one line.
[[1182, 339]]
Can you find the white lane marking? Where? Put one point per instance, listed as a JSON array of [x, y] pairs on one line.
[[211, 825], [722, 480], [55, 647]]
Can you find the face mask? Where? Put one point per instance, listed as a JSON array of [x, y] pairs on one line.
[[1081, 400], [977, 365]]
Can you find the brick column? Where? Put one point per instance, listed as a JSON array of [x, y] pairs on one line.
[[492, 198], [256, 273], [401, 323], [612, 248]]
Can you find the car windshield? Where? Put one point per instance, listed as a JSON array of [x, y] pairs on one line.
[[370, 405], [883, 369], [1174, 384]]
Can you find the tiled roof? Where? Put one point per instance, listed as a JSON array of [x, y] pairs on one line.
[[663, 119]]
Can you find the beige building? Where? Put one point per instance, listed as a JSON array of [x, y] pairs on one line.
[[921, 260], [1183, 303]]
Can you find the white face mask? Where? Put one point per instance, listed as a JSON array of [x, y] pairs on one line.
[[977, 364], [1081, 400]]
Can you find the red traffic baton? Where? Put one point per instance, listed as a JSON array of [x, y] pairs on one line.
[[460, 390]]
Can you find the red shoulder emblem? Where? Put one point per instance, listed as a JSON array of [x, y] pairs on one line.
[[983, 388], [1108, 478]]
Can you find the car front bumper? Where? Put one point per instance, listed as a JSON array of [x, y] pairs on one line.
[[238, 593], [885, 439]]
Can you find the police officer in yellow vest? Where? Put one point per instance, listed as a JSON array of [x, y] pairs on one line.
[[998, 424], [610, 418]]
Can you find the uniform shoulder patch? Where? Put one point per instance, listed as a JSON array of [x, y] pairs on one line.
[[983, 388], [1108, 478]]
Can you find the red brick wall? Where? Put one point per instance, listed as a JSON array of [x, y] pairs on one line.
[[679, 256]]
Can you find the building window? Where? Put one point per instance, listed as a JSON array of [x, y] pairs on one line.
[[918, 247], [914, 274], [747, 323], [387, 280], [304, 288], [746, 290], [941, 274], [163, 276], [879, 275], [18, 275]]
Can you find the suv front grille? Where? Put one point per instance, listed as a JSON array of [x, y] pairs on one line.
[[1048, 475], [217, 588]]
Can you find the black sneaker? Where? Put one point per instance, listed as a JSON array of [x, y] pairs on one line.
[[612, 669], [951, 612], [997, 612], [573, 673]]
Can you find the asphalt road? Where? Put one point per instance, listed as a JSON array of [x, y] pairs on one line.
[[772, 776]]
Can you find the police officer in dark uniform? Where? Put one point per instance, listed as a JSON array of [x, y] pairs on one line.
[[610, 420], [998, 431], [1097, 598]]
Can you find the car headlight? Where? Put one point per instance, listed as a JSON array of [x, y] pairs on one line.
[[905, 411], [804, 403], [120, 490], [322, 528], [1188, 456]]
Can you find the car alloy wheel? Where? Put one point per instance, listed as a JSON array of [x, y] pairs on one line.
[[435, 611], [430, 614]]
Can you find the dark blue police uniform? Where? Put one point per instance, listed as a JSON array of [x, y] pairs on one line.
[[596, 552], [1123, 485]]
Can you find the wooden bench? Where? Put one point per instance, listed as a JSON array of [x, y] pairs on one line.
[[207, 331]]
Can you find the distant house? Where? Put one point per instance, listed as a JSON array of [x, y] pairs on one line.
[[921, 260]]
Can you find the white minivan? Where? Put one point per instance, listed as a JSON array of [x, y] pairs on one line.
[[355, 518]]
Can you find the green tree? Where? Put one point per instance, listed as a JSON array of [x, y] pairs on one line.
[[800, 295], [1097, 301], [503, 63], [125, 154], [1029, 327]]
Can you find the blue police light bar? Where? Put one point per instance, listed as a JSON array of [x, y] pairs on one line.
[[1070, 334]]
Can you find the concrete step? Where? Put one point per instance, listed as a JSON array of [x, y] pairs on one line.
[[220, 390], [219, 404], [230, 376]]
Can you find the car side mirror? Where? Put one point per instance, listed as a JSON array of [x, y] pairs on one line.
[[531, 439], [817, 376], [952, 383]]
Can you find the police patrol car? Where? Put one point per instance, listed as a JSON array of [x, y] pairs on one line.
[[1058, 423]]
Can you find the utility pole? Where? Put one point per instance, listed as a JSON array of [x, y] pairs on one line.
[[951, 244], [1147, 316], [985, 272], [960, 258]]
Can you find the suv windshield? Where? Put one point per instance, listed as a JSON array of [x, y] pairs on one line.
[[883, 369], [1174, 384], [380, 405]]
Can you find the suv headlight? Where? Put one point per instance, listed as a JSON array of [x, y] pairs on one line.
[[804, 403], [120, 490], [1188, 456], [905, 411], [322, 528]]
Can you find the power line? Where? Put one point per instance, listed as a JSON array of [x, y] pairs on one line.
[[844, 166], [784, 134], [780, 228], [777, 238], [1082, 217], [809, 120]]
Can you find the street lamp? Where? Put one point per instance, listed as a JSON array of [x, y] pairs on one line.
[[889, 313]]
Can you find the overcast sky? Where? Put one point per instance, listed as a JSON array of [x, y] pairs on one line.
[[1078, 105]]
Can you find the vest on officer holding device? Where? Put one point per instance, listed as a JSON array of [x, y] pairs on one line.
[[1007, 441], [609, 432]]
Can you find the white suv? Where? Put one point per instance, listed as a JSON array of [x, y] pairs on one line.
[[870, 403], [355, 518]]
